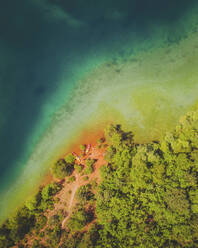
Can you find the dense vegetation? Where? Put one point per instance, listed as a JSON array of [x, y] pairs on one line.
[[28, 217], [149, 194], [64, 167], [148, 197]]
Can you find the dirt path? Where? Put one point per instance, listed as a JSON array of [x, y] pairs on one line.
[[72, 196], [71, 200], [66, 200], [94, 153]]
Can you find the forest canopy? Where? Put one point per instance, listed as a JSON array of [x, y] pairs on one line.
[[147, 197], [149, 194]]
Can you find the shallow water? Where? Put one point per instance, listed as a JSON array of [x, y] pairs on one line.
[[68, 66]]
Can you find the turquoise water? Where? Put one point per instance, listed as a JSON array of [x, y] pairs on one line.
[[65, 64]]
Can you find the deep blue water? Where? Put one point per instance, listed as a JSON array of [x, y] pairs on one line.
[[37, 50]]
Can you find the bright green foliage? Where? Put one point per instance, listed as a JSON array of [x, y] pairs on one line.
[[193, 195], [82, 148], [70, 159], [43, 199], [34, 202], [62, 168], [117, 137], [176, 200], [79, 168], [47, 195], [148, 197], [89, 166]]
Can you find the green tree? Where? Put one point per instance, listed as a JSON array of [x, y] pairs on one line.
[[89, 166], [84, 193], [78, 220], [62, 169]]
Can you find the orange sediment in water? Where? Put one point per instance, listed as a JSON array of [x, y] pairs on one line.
[[88, 136]]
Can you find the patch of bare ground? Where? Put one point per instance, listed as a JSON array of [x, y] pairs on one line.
[[98, 155], [65, 200]]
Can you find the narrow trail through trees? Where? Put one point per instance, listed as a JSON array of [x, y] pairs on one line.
[[98, 155], [71, 199]]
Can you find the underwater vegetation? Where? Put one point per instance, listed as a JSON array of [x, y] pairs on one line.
[[68, 67]]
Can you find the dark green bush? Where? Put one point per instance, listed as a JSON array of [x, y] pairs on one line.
[[41, 221], [62, 168], [84, 193], [78, 220], [54, 220]]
